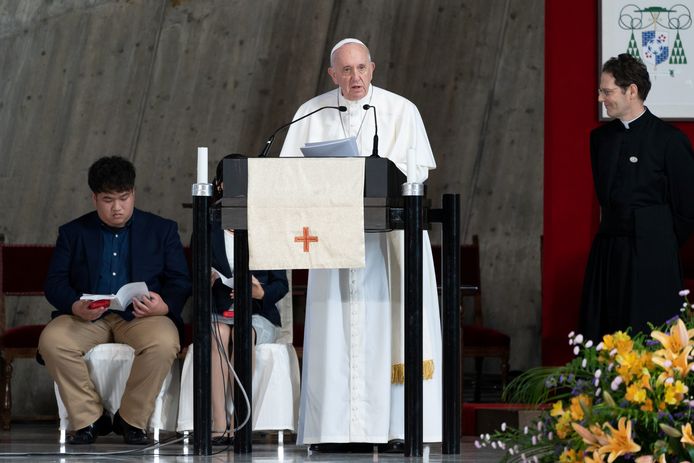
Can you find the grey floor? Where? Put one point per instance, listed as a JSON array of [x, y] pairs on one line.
[[39, 442]]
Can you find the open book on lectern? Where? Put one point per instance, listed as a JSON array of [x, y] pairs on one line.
[[344, 147]]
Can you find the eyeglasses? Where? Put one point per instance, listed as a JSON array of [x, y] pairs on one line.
[[608, 91], [349, 70]]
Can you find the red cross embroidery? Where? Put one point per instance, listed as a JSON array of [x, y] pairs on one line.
[[306, 238]]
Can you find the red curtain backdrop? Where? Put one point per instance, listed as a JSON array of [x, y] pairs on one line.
[[570, 208]]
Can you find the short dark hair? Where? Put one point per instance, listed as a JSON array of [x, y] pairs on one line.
[[628, 70], [219, 175], [111, 174]]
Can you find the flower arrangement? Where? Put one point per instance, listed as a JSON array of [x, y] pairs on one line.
[[628, 398]]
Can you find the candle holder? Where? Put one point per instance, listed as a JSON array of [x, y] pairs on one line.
[[412, 189]]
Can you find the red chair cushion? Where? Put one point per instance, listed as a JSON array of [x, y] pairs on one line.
[[479, 336], [22, 336]]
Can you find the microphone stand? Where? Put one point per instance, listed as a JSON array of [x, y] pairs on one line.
[[268, 143], [374, 151]]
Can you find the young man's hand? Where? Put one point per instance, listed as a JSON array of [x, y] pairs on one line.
[[150, 306]]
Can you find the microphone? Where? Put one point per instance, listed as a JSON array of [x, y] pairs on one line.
[[374, 151], [268, 143]]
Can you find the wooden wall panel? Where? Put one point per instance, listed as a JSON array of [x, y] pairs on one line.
[[152, 80]]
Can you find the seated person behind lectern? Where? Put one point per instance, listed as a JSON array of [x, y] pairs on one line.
[[97, 254], [267, 288]]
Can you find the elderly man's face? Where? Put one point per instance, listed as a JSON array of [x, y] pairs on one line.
[[352, 71]]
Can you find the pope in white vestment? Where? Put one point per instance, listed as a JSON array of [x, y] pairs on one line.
[[352, 382]]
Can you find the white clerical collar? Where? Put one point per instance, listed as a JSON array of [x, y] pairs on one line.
[[626, 123], [351, 104]]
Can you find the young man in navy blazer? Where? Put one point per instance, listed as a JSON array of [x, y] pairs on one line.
[[97, 254]]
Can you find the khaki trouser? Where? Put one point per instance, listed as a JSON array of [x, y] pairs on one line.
[[66, 339]]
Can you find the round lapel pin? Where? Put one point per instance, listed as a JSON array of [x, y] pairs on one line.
[[633, 159]]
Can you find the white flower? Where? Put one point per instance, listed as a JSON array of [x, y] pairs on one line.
[[600, 346], [598, 391], [487, 437], [684, 292], [596, 383], [667, 364], [616, 382], [525, 430], [572, 334], [610, 367], [478, 445], [550, 436], [598, 374], [589, 344], [503, 427], [539, 425], [511, 451], [501, 445], [578, 339], [534, 440], [669, 380], [613, 352], [584, 363], [494, 445], [576, 350]]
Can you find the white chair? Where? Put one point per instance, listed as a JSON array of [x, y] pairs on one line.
[[275, 382], [109, 367]]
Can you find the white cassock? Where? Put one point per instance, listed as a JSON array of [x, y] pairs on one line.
[[352, 387]]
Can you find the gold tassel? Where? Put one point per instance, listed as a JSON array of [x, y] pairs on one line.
[[397, 372]]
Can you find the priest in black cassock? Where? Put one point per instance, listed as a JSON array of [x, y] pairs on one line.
[[643, 169]]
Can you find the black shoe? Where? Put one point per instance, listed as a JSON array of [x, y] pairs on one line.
[[346, 447], [131, 434], [223, 440], [88, 434], [393, 446]]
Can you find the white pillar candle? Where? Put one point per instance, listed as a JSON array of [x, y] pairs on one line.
[[202, 164], [411, 166]]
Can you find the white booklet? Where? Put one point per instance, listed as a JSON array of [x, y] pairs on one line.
[[124, 297], [227, 281], [344, 147]]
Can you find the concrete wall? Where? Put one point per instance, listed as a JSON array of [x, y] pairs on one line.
[[151, 80]]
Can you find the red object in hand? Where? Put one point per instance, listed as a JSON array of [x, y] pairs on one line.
[[228, 314], [101, 303]]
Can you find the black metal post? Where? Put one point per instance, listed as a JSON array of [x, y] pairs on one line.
[[414, 220], [450, 294], [202, 414], [242, 340]]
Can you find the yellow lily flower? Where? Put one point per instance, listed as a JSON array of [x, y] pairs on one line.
[[577, 406], [635, 393], [674, 393], [620, 442], [596, 458], [687, 436], [557, 409], [677, 340]]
